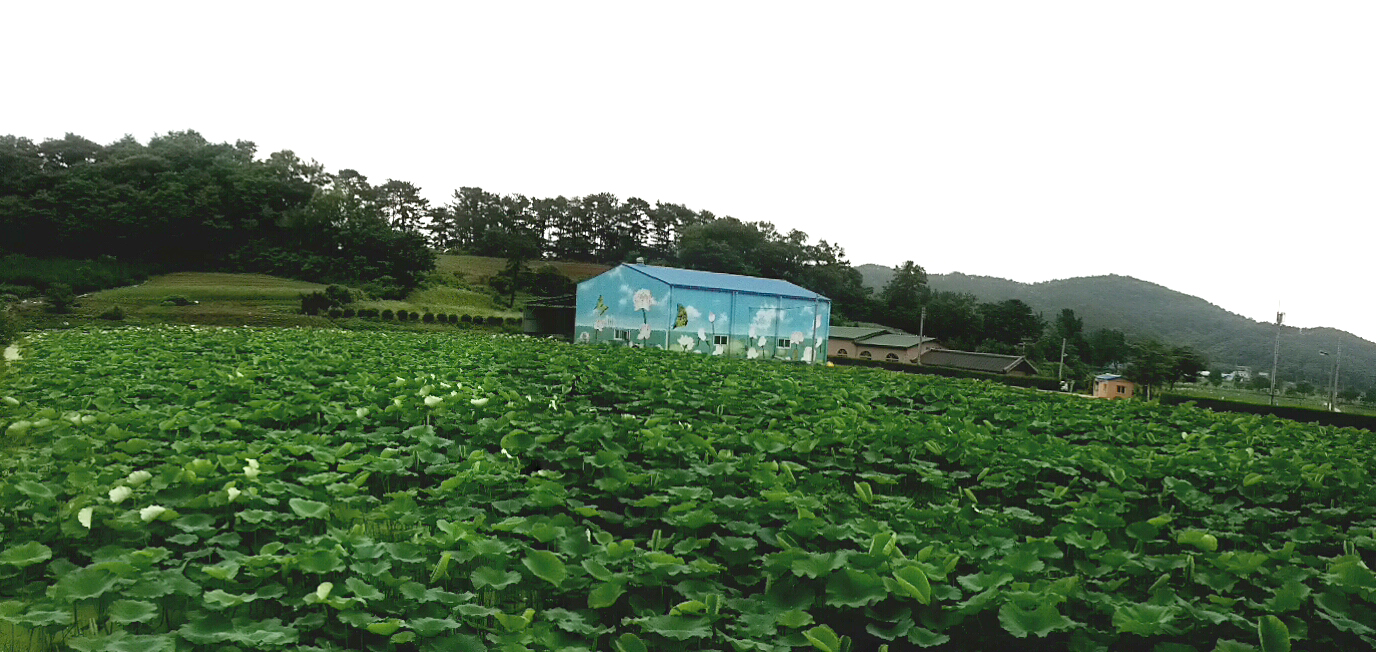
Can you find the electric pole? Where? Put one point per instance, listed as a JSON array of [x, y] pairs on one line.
[[1275, 357]]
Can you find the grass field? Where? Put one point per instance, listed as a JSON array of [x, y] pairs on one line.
[[475, 269], [1263, 398], [262, 300]]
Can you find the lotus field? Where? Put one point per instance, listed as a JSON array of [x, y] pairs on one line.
[[239, 489]]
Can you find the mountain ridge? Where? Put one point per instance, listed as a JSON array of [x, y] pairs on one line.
[[1145, 309]]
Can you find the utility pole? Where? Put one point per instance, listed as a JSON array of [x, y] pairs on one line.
[[921, 334], [1275, 357], [1333, 390], [1061, 368]]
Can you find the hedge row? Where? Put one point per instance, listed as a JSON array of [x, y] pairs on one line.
[[428, 317]]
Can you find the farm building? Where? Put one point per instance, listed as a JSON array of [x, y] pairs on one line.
[[1113, 386], [993, 363], [703, 312], [549, 316]]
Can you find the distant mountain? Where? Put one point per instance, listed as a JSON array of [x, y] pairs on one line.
[[1144, 309]]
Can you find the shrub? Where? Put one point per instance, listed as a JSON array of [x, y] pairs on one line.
[[453, 318], [467, 319], [428, 318], [386, 314], [513, 321], [176, 300], [9, 326], [113, 314], [348, 312], [494, 320], [336, 313], [60, 298], [414, 315], [385, 287]]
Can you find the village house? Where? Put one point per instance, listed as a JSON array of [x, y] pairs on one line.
[[1113, 386]]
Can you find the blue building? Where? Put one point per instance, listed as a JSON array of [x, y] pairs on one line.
[[703, 312]]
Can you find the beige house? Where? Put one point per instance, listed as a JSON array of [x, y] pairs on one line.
[[1113, 386], [874, 343]]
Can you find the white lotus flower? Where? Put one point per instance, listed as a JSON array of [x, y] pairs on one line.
[[753, 332], [84, 516], [599, 325], [644, 332], [643, 299], [323, 591], [702, 334], [685, 341], [752, 353], [508, 455], [151, 512], [361, 412], [233, 493], [712, 317], [433, 401], [807, 354], [817, 323], [479, 402], [586, 336], [796, 338], [253, 462], [719, 349], [118, 494], [251, 471], [763, 341], [138, 477]]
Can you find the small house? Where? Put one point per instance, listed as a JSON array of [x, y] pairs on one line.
[[1113, 386], [873, 343], [703, 312]]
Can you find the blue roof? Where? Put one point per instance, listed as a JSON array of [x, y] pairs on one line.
[[731, 282], [1108, 377]]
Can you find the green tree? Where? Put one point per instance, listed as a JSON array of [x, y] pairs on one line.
[[901, 300], [1150, 365]]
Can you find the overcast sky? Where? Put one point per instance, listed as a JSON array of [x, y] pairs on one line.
[[1222, 149]]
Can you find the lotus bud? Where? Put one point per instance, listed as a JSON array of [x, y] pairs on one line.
[[151, 512]]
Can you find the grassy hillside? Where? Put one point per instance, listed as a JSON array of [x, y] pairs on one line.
[[1146, 309], [458, 287]]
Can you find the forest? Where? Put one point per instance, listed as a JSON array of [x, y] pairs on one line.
[[180, 202]]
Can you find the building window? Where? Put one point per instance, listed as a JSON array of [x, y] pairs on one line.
[[1122, 389], [783, 343], [865, 355], [892, 357], [841, 353], [623, 334], [719, 339]]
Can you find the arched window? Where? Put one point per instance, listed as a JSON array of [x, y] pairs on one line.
[[892, 357], [841, 353], [865, 355]]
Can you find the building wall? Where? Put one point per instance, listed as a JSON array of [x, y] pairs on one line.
[[854, 349], [709, 322], [1110, 389], [608, 311]]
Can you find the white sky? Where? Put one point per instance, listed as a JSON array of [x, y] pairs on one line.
[[1222, 149]]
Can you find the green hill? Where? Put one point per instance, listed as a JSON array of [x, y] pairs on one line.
[[1144, 309]]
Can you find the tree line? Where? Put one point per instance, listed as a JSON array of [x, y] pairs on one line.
[[182, 202]]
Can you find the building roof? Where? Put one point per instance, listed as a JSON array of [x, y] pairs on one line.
[[715, 281], [987, 362], [894, 341], [1105, 377], [854, 332], [560, 301]]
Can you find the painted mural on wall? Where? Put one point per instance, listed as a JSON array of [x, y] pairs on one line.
[[625, 308]]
